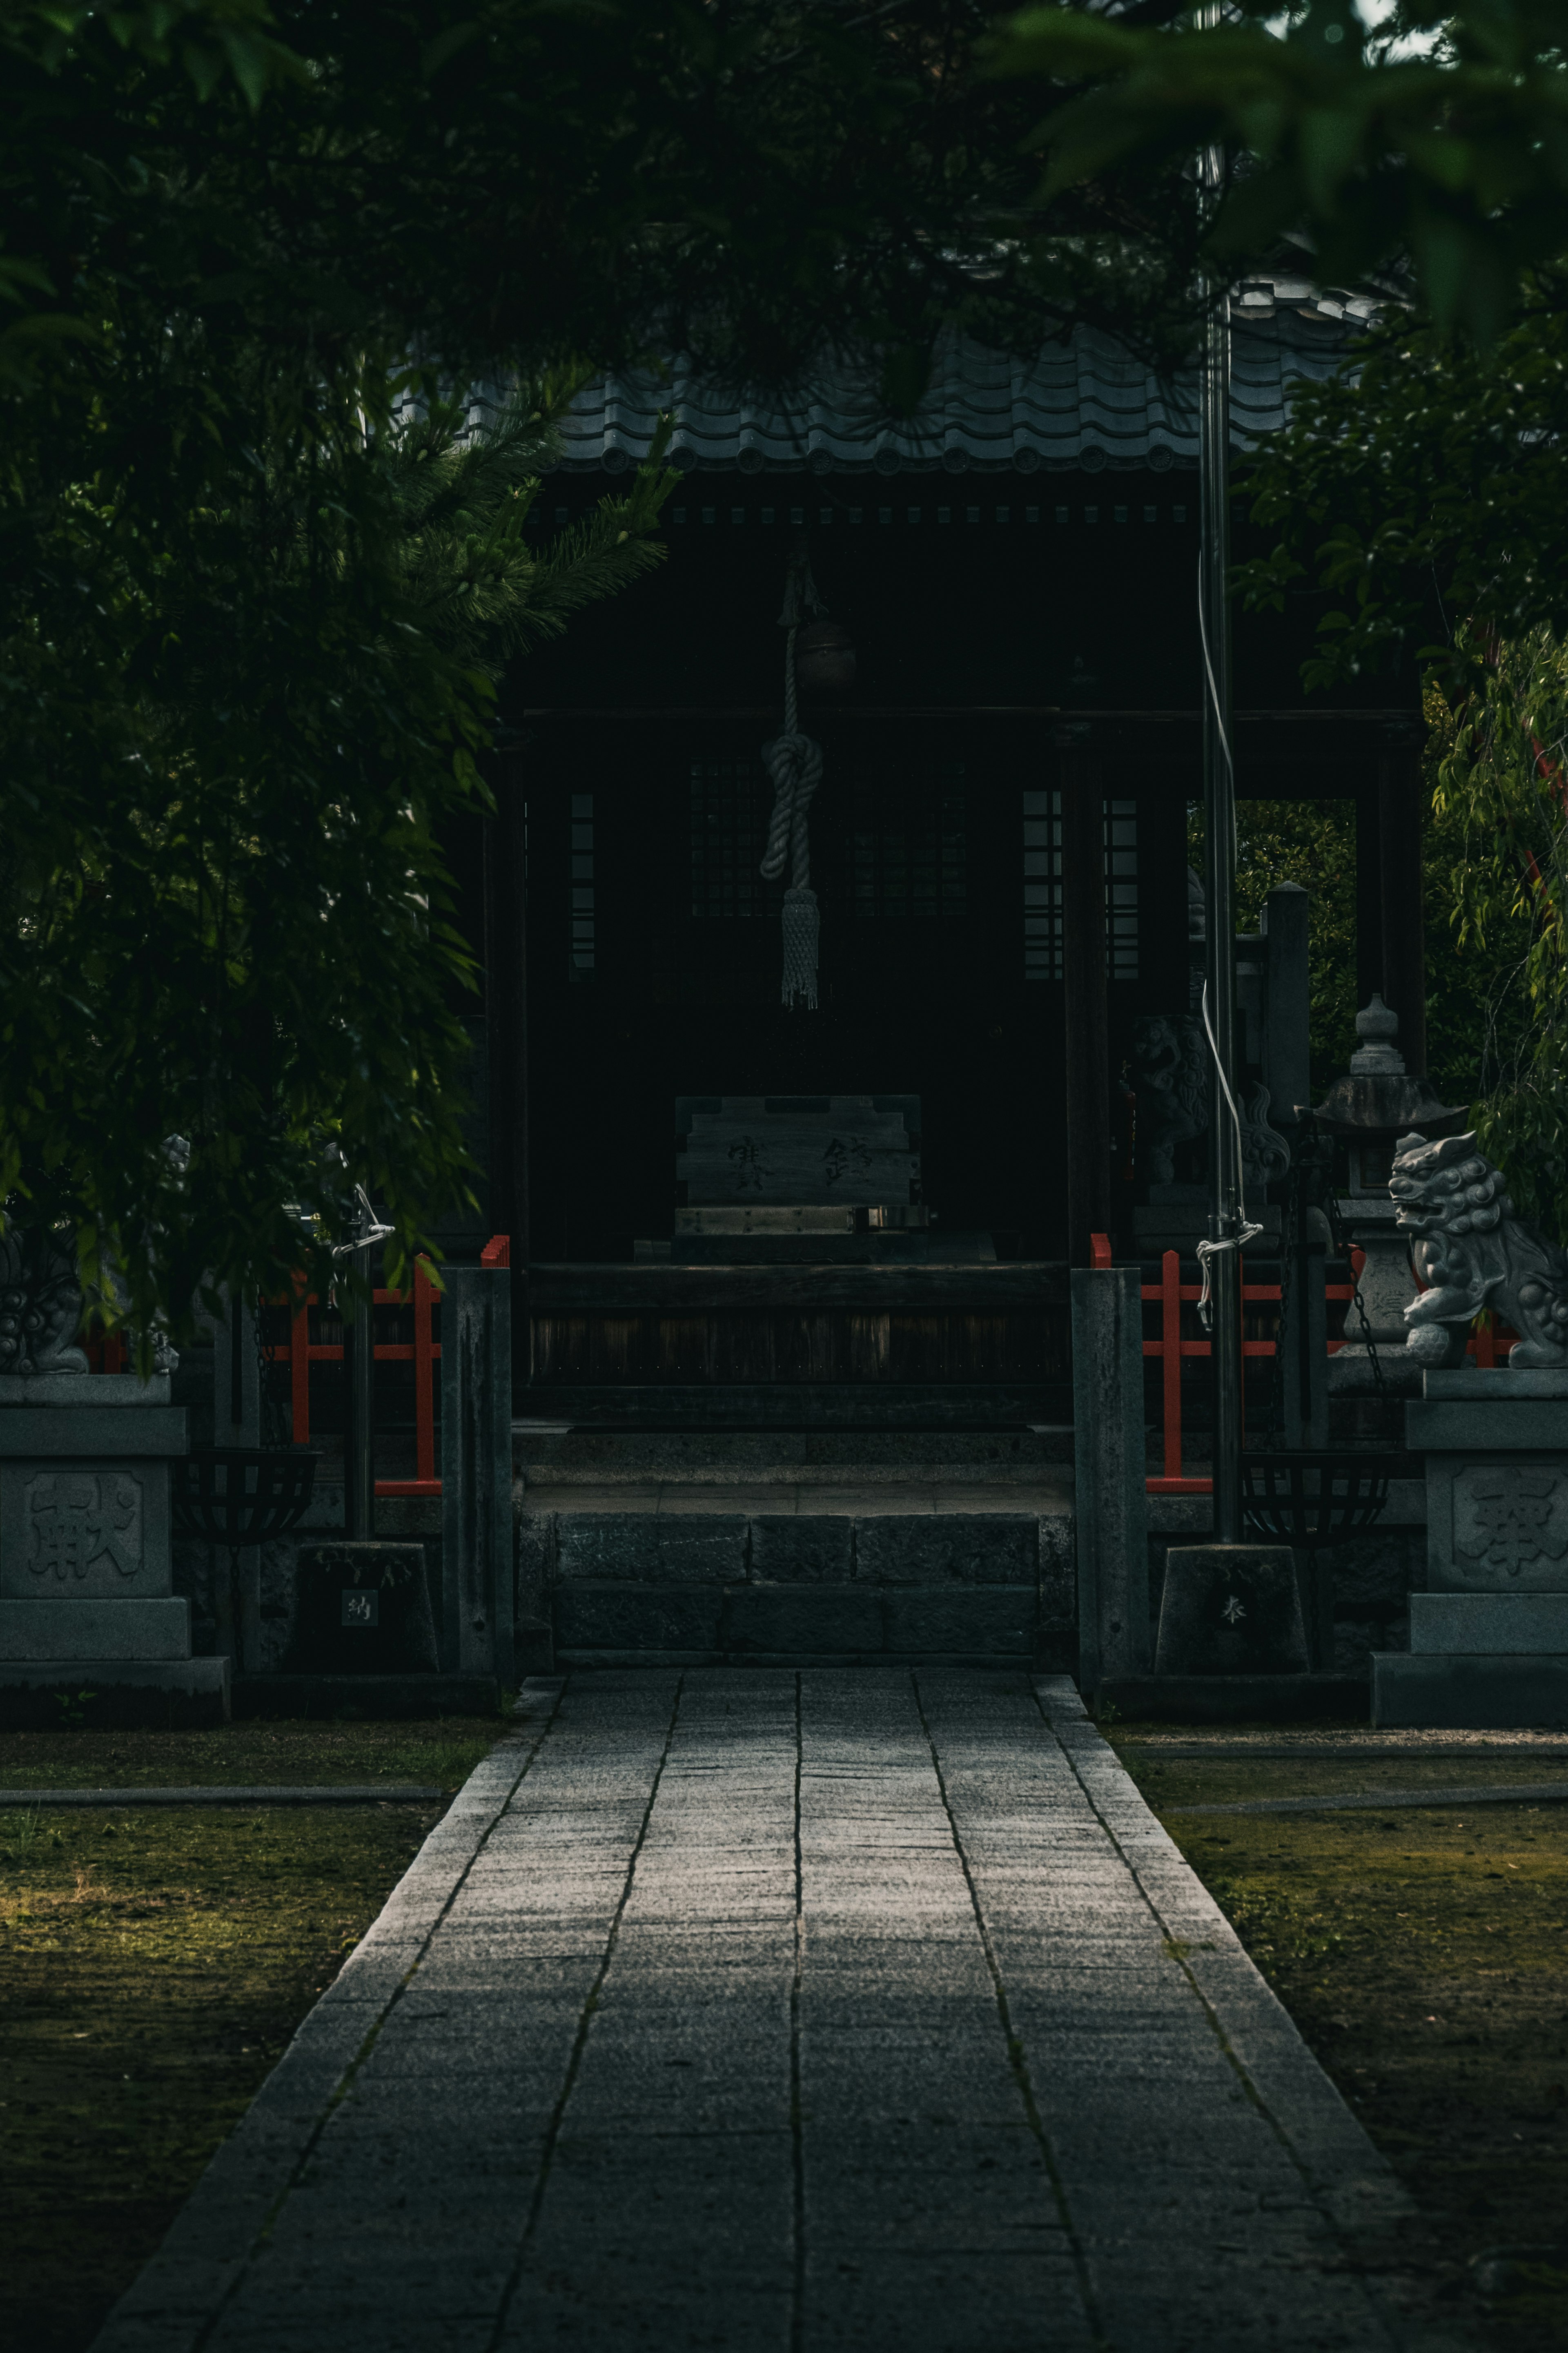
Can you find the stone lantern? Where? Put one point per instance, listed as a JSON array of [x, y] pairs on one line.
[[1370, 1109]]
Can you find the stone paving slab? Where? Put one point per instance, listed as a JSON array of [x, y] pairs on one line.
[[786, 2011]]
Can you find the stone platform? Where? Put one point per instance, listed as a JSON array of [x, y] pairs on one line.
[[699, 1550], [170, 1693], [866, 2010]]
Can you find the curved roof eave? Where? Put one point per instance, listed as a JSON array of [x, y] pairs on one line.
[[1083, 405]]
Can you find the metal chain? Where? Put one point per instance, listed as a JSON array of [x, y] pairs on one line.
[[1340, 1243]]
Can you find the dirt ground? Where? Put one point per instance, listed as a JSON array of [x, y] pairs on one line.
[[1424, 1954]]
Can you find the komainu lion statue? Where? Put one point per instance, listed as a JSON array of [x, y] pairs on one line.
[[1473, 1252], [1172, 1079], [40, 1305]]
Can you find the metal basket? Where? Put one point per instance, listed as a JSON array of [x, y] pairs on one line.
[[1315, 1499], [241, 1495]]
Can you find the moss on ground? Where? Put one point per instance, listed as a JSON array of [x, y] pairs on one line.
[[153, 1966], [1422, 1953], [442, 1753]]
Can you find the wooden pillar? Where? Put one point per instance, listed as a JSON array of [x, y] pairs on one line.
[[1368, 894], [506, 1008], [1400, 811], [1084, 973]]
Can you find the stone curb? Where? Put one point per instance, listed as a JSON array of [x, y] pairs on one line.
[[1535, 1793], [1350, 2180], [345, 1793], [178, 2294]]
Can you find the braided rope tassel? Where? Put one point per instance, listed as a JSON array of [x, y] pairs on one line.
[[795, 763]]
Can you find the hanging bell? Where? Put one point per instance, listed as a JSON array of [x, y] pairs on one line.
[[823, 659]]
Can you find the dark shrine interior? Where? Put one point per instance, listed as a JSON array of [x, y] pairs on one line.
[[1003, 624]]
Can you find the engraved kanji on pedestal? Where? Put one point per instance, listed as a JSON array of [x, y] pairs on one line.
[[1489, 1636]]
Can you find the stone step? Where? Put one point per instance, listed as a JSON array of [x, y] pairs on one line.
[[555, 1454], [1035, 1495], [779, 1575]]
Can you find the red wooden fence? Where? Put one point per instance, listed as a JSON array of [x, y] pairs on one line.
[[1169, 1294], [299, 1352]]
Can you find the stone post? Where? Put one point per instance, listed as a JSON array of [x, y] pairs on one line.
[[477, 1540], [235, 1584], [1110, 1506]]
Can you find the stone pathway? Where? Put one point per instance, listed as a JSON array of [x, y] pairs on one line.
[[853, 2009]]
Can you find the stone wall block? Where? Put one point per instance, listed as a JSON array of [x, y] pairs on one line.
[[1058, 1573], [536, 1569], [978, 1619], [601, 1616], [813, 1548], [647, 1547], [803, 1619], [947, 1548], [1374, 1571]]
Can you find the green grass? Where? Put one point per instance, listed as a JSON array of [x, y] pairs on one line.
[[153, 1966], [1424, 1954], [441, 1752]]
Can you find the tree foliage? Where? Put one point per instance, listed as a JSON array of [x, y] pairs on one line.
[[1437, 140], [1424, 485], [1497, 856], [462, 497], [252, 610], [248, 674], [1312, 842]]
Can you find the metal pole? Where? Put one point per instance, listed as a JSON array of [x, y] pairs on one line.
[[1219, 862]]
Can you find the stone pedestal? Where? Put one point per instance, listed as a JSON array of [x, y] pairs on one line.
[[1231, 1610], [87, 1599], [364, 1609], [1489, 1638]]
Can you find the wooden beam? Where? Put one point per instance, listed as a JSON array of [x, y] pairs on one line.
[[801, 1405], [1083, 970], [599, 1290]]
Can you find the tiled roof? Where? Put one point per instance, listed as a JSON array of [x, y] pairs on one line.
[[1084, 404]]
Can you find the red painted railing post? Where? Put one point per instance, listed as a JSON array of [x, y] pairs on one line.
[[425, 1354], [1171, 1344], [299, 1345]]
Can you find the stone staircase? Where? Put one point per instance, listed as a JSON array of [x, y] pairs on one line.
[[728, 1546]]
